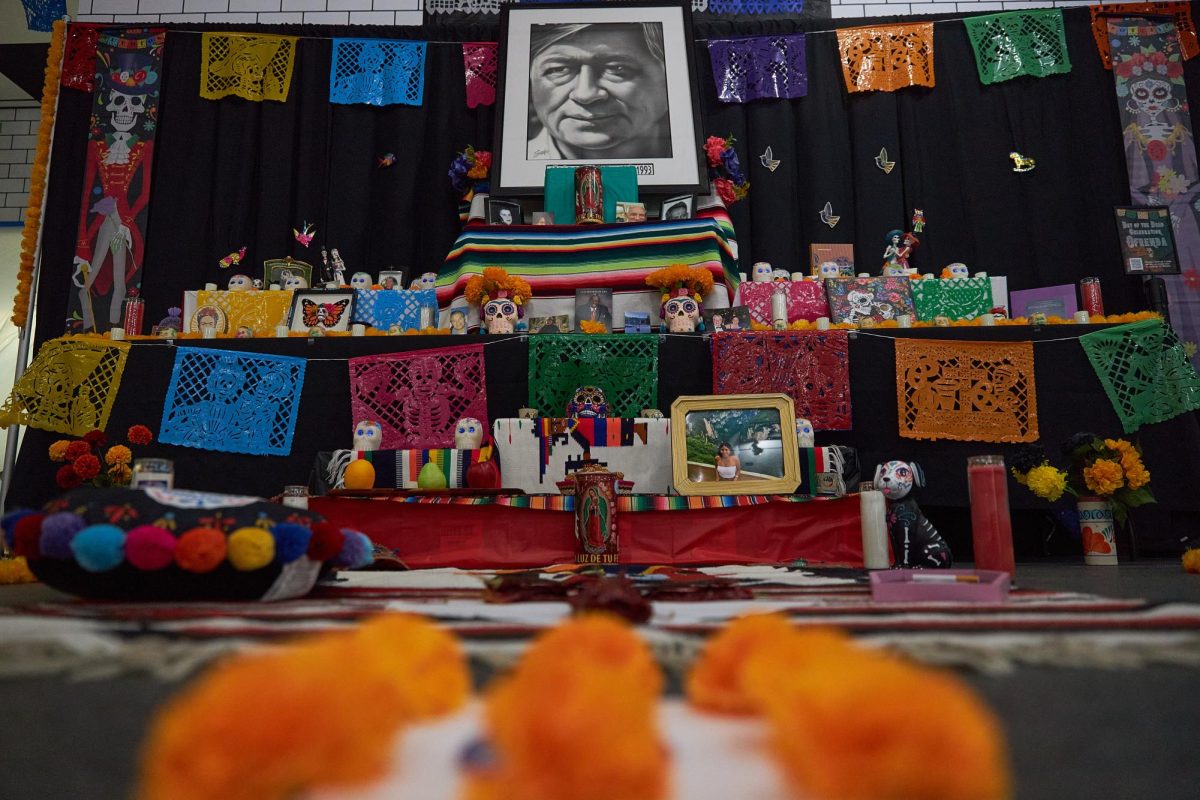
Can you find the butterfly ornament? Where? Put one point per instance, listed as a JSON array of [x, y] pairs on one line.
[[305, 235], [233, 258], [323, 315]]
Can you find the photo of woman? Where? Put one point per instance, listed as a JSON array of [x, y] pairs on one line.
[[729, 466]]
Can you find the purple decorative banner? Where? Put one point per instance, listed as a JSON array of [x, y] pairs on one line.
[[758, 67], [1160, 153]]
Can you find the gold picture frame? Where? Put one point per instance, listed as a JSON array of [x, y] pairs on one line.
[[761, 432]]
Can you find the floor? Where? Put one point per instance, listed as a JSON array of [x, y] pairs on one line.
[[1073, 733]]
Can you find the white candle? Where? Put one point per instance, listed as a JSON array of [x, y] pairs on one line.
[[980, 274], [904, 320], [987, 320], [281, 331], [1081, 317], [822, 323], [426, 317], [208, 332], [873, 513], [742, 277], [864, 274], [779, 311], [275, 287], [117, 334], [798, 276], [358, 329], [210, 287]]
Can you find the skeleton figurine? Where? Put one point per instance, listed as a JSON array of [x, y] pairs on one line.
[[339, 268], [915, 542], [500, 313], [359, 280], [468, 434], [681, 311], [588, 402], [805, 435], [761, 272], [368, 434], [240, 283]]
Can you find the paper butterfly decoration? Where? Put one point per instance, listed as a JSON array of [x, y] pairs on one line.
[[306, 235], [827, 215], [769, 160], [322, 315], [233, 258]]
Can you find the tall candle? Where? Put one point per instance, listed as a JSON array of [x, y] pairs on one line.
[[779, 312], [873, 514], [991, 527]]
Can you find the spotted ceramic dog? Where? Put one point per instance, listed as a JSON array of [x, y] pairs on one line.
[[915, 542]]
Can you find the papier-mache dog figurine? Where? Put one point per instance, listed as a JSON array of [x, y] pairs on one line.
[[915, 542]]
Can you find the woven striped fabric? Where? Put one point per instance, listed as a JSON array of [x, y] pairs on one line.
[[632, 503], [558, 259], [398, 469]]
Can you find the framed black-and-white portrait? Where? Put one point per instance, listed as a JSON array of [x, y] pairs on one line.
[[682, 207], [503, 212], [613, 83]]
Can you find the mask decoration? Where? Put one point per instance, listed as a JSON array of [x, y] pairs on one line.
[[681, 313], [240, 283], [915, 542], [956, 270], [426, 281], [360, 280], [588, 402], [683, 289], [805, 435], [468, 434], [761, 272], [502, 298], [367, 436]]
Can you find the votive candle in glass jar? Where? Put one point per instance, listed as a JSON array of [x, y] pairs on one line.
[[153, 472], [991, 526]]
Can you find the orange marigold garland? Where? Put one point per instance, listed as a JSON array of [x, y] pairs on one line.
[[697, 280], [37, 183]]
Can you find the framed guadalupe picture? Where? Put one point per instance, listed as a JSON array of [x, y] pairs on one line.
[[590, 84], [325, 309], [1147, 240], [734, 444]]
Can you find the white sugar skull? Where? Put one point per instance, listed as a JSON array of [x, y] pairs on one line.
[[588, 402], [240, 283], [780, 275], [761, 272], [292, 282], [897, 478], [805, 435], [894, 271], [125, 109], [468, 434], [426, 281], [957, 270], [360, 280], [500, 315], [829, 269], [368, 434], [681, 314]]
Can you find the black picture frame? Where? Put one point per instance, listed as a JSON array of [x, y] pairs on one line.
[[296, 320], [684, 170], [1147, 240], [496, 205]]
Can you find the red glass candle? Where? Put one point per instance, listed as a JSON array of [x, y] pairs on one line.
[[1089, 293], [991, 527], [589, 195]]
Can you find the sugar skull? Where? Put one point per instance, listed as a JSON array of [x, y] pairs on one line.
[[292, 282], [896, 479], [805, 433], [956, 270], [780, 275], [426, 281], [500, 314], [360, 280], [1151, 96], [681, 312], [468, 434], [829, 269], [368, 435], [240, 283], [588, 402], [761, 272]]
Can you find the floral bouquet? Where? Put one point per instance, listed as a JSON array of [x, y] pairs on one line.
[[469, 172], [82, 462], [724, 169], [1111, 469]]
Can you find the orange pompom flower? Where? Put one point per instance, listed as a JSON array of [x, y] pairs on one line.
[[592, 326], [1104, 476], [58, 450], [139, 434], [118, 454]]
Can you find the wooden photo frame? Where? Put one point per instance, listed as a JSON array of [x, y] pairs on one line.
[[649, 118], [760, 430], [327, 309]]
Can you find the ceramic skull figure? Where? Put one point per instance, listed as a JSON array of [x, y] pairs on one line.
[[829, 269], [427, 281], [468, 434], [360, 280], [681, 312], [240, 283], [367, 435], [292, 282], [805, 435], [957, 270], [780, 275], [500, 314], [588, 402], [761, 272]]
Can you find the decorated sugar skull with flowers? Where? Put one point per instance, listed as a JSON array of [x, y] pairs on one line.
[[468, 434], [360, 280], [588, 402], [683, 289], [368, 435], [240, 283], [501, 297]]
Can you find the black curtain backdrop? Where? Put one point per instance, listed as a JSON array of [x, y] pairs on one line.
[[230, 173]]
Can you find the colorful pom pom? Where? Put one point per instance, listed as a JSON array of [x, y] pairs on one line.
[[250, 548], [9, 522], [356, 552], [27, 536], [327, 541], [99, 548], [200, 550], [149, 547], [291, 541], [57, 532]]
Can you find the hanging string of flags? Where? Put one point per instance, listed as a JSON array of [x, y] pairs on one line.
[[886, 58]]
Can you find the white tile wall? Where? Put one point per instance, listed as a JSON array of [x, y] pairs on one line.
[[18, 145]]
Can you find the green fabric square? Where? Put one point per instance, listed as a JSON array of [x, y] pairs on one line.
[[619, 182], [1019, 43], [625, 366], [956, 298]]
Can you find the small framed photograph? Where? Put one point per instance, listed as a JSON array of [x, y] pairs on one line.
[[724, 320], [682, 207], [207, 317], [590, 84], [278, 270], [637, 322], [391, 278], [593, 305], [326, 309], [503, 212], [543, 218], [1147, 240], [734, 444], [630, 212], [559, 323]]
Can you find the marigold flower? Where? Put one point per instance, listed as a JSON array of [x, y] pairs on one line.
[[1104, 476], [591, 326], [76, 449], [67, 478], [118, 454], [1046, 482], [1136, 476], [96, 438], [58, 450], [140, 434], [86, 466], [120, 474]]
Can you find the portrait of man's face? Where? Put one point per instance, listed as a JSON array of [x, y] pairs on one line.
[[505, 216], [677, 211], [598, 91]]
